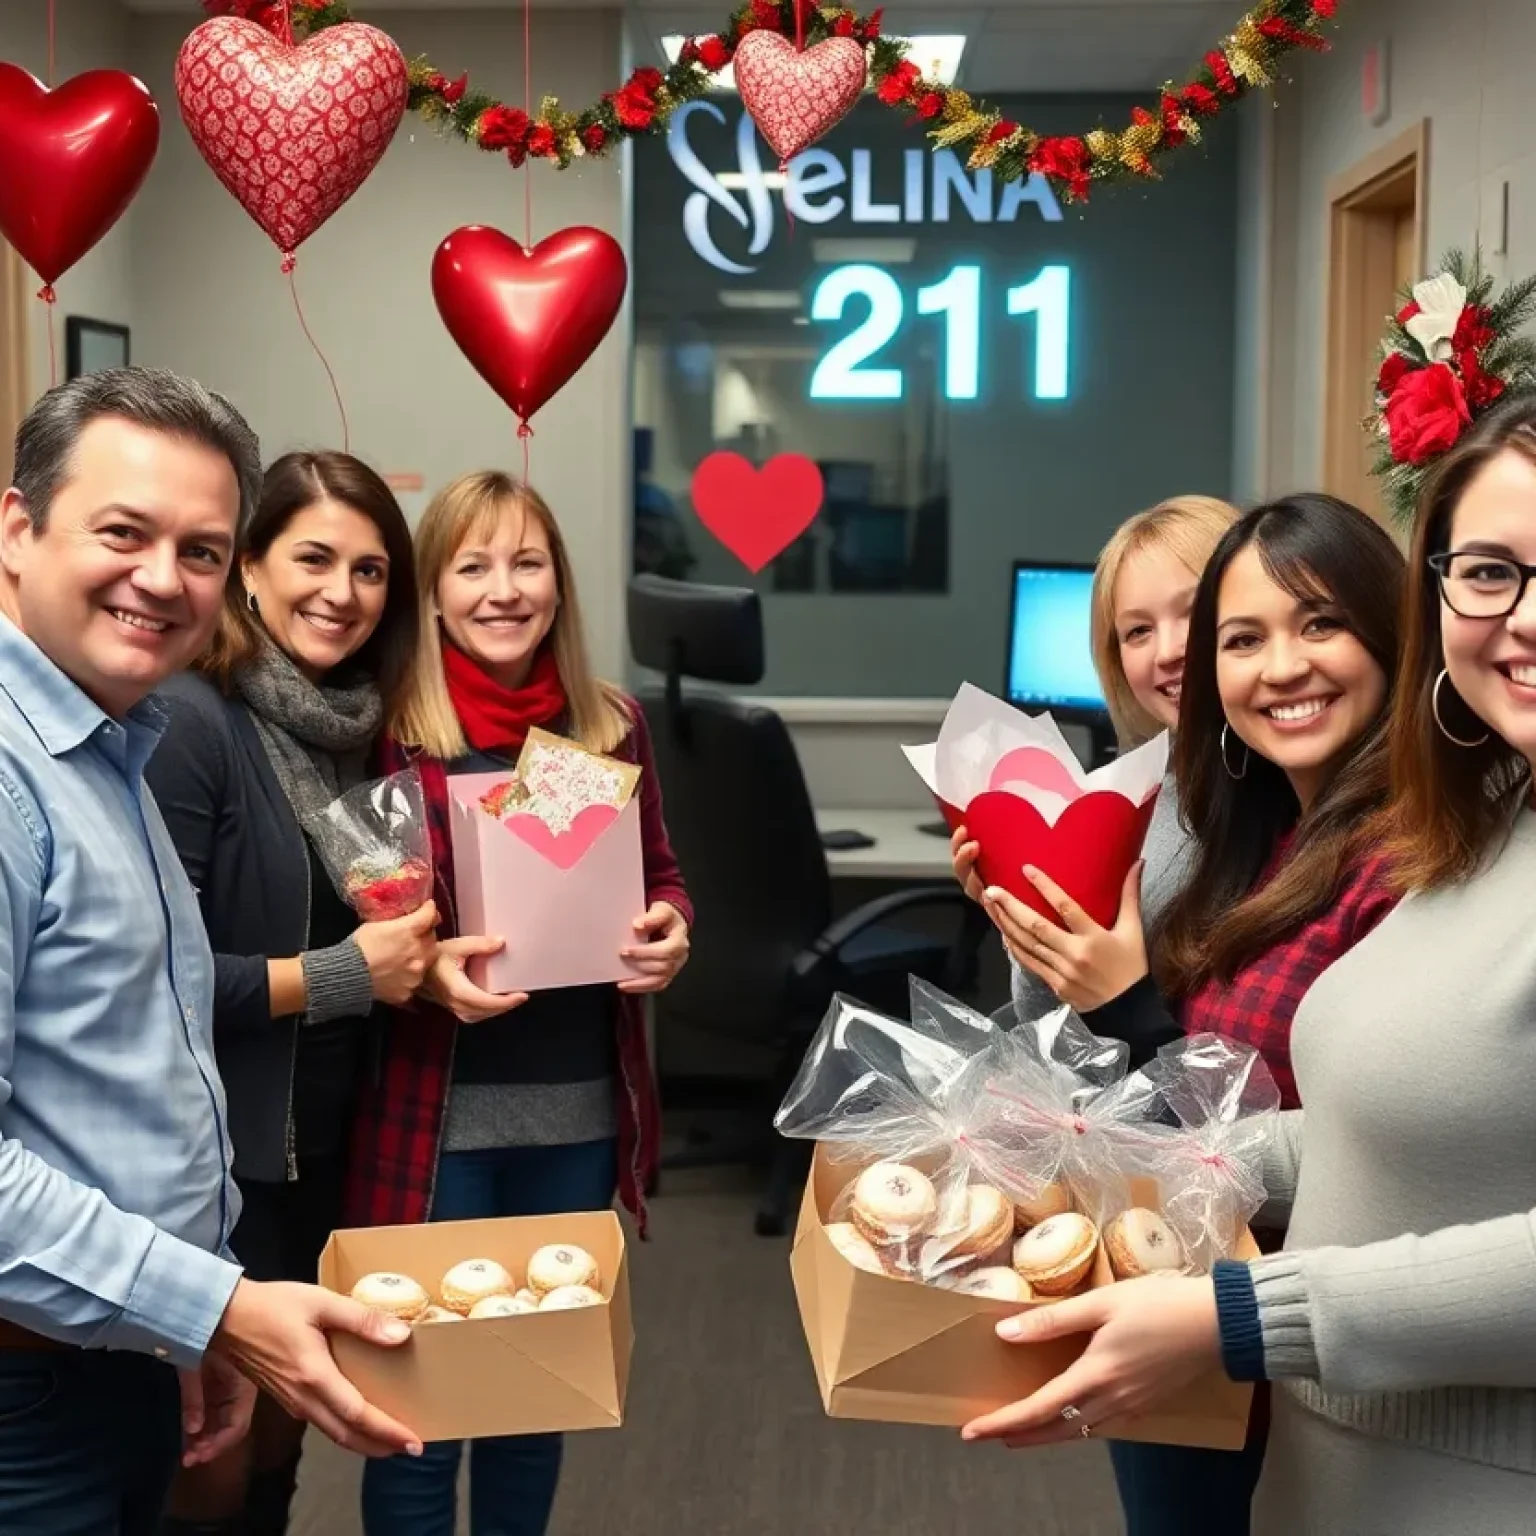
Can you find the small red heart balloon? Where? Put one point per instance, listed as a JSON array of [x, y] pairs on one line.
[[527, 320], [71, 160], [757, 513], [1087, 851]]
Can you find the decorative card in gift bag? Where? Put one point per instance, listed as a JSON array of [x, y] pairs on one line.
[[1019, 790], [548, 856]]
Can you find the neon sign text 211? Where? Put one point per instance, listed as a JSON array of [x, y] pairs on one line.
[[847, 372]]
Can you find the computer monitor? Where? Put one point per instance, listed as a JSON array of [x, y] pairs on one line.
[[1050, 650]]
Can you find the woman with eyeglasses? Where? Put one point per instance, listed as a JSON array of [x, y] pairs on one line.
[[1399, 1324], [1280, 762]]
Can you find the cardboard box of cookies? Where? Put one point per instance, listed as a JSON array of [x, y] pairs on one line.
[[892, 1349], [519, 1325]]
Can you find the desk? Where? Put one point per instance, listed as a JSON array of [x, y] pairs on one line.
[[901, 851]]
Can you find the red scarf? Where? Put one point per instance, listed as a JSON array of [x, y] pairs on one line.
[[497, 719]]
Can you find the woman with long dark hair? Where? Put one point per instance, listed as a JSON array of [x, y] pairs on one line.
[[1280, 764], [316, 641], [1400, 1321]]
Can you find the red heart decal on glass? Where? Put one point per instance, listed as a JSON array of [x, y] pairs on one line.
[[527, 320], [73, 158], [291, 132], [563, 849], [1037, 768], [794, 97], [757, 513], [1088, 852]]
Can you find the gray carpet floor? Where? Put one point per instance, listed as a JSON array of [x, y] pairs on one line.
[[725, 1434]]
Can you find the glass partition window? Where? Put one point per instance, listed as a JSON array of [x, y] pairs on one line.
[[981, 374]]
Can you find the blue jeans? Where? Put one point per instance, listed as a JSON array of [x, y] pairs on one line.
[[89, 1442], [512, 1479], [1176, 1490]]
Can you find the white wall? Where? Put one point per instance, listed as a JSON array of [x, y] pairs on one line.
[[90, 34], [209, 299], [1467, 68]]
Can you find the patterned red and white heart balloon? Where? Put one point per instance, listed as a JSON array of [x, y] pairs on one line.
[[795, 97], [291, 131]]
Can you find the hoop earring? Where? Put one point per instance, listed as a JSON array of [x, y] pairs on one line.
[[1226, 762], [250, 601], [1434, 707]]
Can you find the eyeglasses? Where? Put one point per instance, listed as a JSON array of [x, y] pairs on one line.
[[1481, 586]]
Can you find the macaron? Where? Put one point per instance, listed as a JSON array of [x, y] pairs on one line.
[[398, 1295], [855, 1247], [892, 1203], [1055, 1256], [499, 1306], [997, 1283], [984, 1223], [566, 1297], [1140, 1242], [436, 1314], [558, 1265], [1052, 1200], [473, 1281]]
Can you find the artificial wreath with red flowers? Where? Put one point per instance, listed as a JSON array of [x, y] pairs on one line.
[[1246, 59], [1450, 353]]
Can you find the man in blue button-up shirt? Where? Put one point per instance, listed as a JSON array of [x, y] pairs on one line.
[[116, 1201]]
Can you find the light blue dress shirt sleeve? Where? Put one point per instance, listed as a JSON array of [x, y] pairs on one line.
[[73, 1266]]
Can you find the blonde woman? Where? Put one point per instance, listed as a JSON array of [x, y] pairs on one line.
[[1143, 588], [548, 1109]]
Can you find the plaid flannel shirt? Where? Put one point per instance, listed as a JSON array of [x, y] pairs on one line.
[[399, 1125], [1259, 1003]]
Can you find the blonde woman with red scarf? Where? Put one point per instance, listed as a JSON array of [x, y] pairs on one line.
[[538, 1104]]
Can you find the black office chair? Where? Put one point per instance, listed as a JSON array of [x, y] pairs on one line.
[[767, 956]]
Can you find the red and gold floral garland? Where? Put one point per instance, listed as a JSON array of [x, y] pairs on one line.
[[1245, 60]]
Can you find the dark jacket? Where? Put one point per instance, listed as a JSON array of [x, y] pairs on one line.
[[247, 858]]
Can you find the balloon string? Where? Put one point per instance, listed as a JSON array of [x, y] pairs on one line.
[[47, 295], [525, 434], [800, 26], [528, 112], [50, 44], [287, 21], [289, 263]]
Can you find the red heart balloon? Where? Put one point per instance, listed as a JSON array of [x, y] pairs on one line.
[[528, 320], [757, 513], [1088, 851], [291, 132], [73, 159]]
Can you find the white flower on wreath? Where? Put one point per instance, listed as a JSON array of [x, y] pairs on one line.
[[1441, 300]]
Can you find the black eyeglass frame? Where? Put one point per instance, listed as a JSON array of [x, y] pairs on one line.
[[1440, 565]]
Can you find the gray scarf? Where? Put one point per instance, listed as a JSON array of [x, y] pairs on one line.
[[316, 737]]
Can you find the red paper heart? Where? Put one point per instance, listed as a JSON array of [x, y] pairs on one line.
[[796, 97], [1036, 767], [73, 159], [527, 320], [563, 849], [757, 513], [291, 132], [1088, 852]]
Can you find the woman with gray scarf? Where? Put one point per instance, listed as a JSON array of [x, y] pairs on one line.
[[317, 637]]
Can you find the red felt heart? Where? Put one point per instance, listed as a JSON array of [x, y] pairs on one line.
[[757, 513], [527, 320], [563, 849], [72, 160], [1036, 767], [1088, 852], [794, 97], [292, 132]]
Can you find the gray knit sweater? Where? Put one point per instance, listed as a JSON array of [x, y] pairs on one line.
[[1404, 1305], [1167, 852]]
